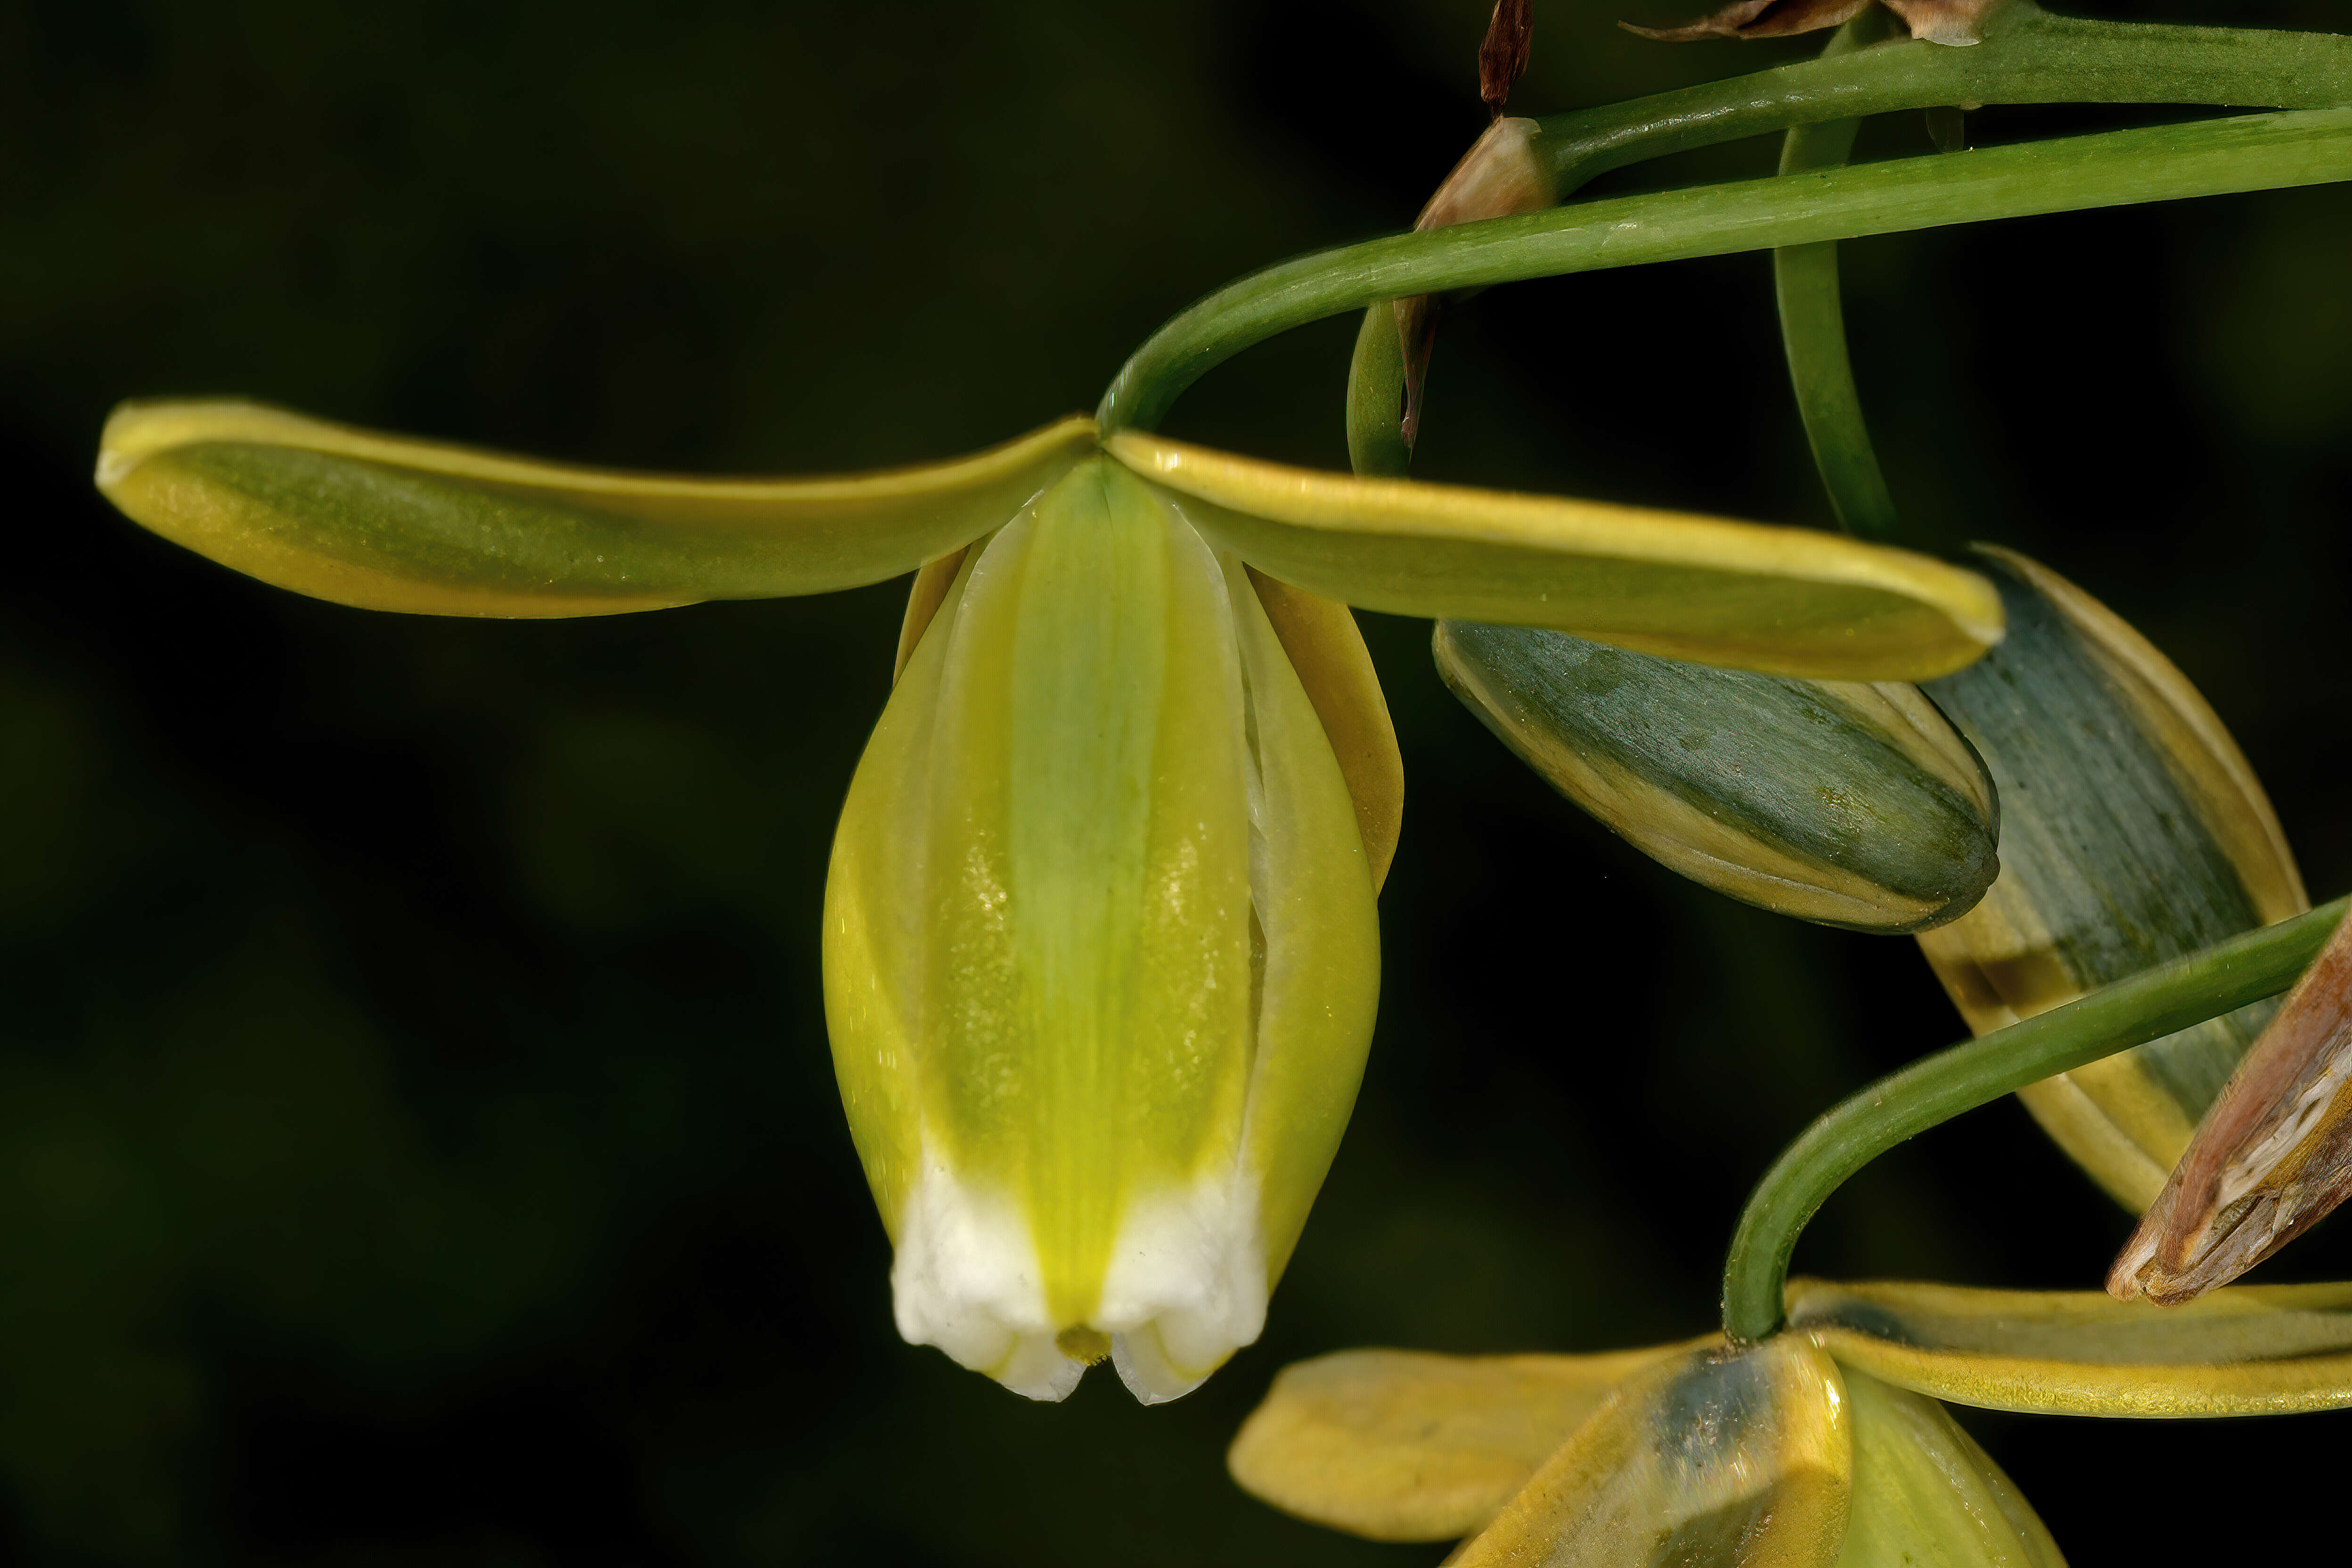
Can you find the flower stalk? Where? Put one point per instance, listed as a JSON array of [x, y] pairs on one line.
[[2116, 168], [1813, 328], [2147, 1007]]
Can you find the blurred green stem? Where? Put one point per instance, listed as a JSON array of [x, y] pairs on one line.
[[2147, 1007], [1812, 326], [2028, 56], [2257, 151]]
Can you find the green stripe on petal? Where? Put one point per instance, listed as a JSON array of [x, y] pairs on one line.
[[1414, 1446], [1850, 804], [1711, 1457], [1925, 1494], [1788, 600], [1100, 952], [2132, 832], [390, 522], [2244, 1351]]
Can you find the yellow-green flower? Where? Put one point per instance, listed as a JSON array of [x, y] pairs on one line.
[[1825, 1445], [1100, 952]]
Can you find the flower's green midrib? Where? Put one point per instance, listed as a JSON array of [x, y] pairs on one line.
[[2160, 1002], [2246, 152]]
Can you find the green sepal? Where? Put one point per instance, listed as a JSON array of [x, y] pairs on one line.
[[392, 523], [2246, 1350], [2132, 832], [1925, 1494], [1791, 601], [1712, 1458], [1415, 1446], [1853, 804]]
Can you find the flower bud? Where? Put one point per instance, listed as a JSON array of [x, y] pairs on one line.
[[1850, 804], [2133, 831], [1100, 952]]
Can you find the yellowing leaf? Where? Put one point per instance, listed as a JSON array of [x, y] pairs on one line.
[[390, 522], [2245, 1351], [1787, 601], [1414, 1446]]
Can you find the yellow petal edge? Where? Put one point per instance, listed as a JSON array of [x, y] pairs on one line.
[[1397, 1445], [1785, 601], [2244, 1351], [389, 522]]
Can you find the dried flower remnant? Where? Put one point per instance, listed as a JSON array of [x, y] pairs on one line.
[[1498, 177], [2272, 1158], [1503, 58], [1955, 22]]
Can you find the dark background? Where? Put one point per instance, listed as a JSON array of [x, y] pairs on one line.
[[417, 1141]]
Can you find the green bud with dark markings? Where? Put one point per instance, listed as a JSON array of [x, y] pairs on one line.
[[1846, 802], [2132, 832]]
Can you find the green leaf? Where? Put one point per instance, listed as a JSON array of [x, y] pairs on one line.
[[1788, 601], [390, 522]]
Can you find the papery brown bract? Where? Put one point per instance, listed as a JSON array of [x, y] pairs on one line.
[[1956, 22], [2270, 1160]]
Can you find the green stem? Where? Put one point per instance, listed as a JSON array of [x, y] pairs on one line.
[[2147, 1007], [2031, 57], [2259, 151], [2028, 56], [1813, 328]]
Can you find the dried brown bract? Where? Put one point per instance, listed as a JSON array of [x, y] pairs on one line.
[[1499, 176], [1938, 21], [2270, 1158], [1503, 58]]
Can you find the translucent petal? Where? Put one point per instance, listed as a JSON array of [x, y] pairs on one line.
[[1711, 1457], [925, 598], [1328, 652], [2244, 1351], [1925, 1494], [389, 522], [1788, 601], [1412, 1446], [2132, 831], [1316, 931]]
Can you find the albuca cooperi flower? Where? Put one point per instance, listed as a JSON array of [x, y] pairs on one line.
[[1824, 1446], [1100, 950]]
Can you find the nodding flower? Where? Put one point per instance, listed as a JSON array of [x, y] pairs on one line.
[[1100, 949], [1826, 1445]]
